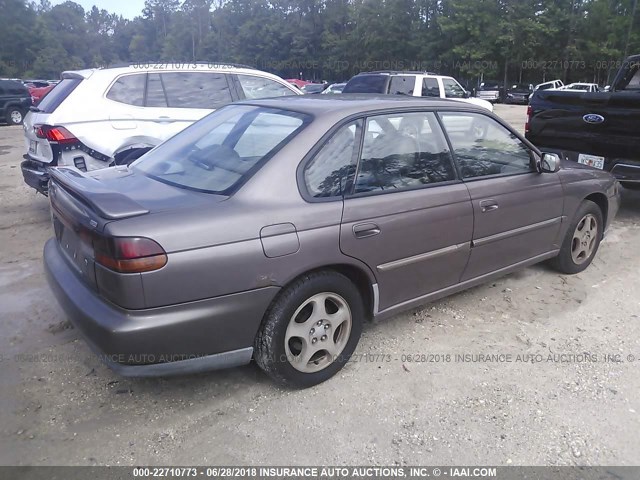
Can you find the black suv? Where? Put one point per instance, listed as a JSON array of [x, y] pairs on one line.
[[15, 101]]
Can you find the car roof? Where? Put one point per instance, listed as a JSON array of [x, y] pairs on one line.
[[159, 67], [13, 82], [397, 73], [354, 103]]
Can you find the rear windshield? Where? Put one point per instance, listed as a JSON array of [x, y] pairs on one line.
[[367, 84], [57, 95], [221, 151]]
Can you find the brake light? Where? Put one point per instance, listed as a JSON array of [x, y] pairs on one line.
[[54, 134], [529, 113], [129, 254]]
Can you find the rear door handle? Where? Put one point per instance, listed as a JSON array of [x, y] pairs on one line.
[[488, 205], [364, 230]]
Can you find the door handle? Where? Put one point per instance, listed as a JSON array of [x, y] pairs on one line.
[[364, 230], [488, 205], [164, 119]]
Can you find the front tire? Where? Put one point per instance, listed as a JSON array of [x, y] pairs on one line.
[[581, 241], [15, 116], [311, 330]]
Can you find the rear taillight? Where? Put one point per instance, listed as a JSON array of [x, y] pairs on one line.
[[529, 113], [129, 254], [54, 134]]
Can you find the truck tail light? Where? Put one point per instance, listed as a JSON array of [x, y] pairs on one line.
[[129, 254], [54, 134], [529, 113]]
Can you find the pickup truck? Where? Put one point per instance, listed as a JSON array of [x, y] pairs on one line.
[[597, 129]]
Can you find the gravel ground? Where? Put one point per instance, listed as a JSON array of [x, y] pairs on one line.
[[568, 395]]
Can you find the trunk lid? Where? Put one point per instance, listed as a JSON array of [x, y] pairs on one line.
[[82, 204], [118, 193]]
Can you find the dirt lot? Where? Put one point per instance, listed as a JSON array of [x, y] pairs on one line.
[[567, 405]]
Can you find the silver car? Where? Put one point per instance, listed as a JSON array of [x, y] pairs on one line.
[[273, 229]]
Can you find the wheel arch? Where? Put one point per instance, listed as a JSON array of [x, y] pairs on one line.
[[601, 200], [135, 143], [363, 281]]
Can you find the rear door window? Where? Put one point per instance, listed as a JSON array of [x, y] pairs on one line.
[[402, 85], [128, 89], [430, 87], [402, 152], [58, 94], [367, 84], [196, 90]]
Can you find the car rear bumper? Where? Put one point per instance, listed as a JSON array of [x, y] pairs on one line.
[[186, 338], [35, 175]]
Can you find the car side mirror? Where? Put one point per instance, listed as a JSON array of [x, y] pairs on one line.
[[549, 163], [466, 94]]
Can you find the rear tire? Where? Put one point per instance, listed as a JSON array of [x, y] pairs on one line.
[[311, 330], [15, 116], [581, 241]]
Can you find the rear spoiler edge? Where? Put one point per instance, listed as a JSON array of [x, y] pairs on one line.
[[107, 203]]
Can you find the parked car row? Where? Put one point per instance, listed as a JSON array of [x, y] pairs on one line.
[[519, 93]]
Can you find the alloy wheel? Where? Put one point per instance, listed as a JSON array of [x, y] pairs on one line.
[[584, 239], [318, 332]]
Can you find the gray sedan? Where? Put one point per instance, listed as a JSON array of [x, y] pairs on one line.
[[273, 229]]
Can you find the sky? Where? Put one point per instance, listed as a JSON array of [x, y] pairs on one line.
[[126, 8]]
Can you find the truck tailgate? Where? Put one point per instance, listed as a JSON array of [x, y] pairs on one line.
[[603, 124]]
